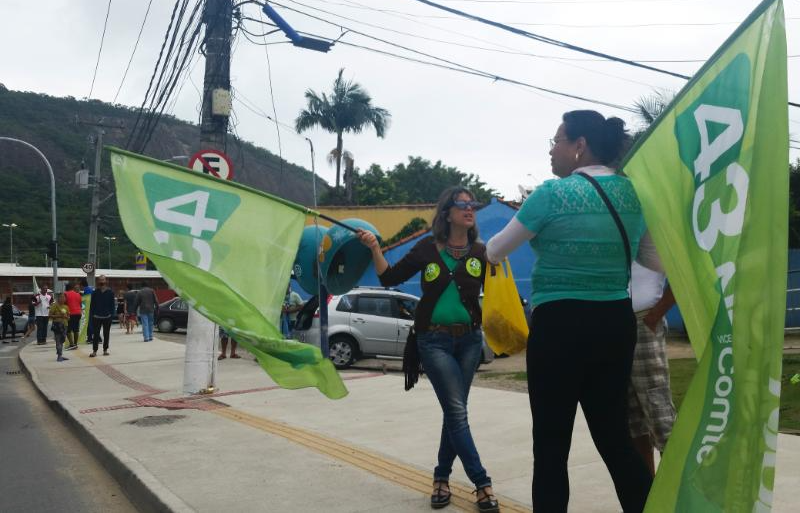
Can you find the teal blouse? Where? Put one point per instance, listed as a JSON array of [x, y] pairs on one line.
[[579, 248]]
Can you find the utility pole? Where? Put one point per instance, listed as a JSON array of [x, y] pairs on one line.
[[94, 216], [201, 334], [95, 213]]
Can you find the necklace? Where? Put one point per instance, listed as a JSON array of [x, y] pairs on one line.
[[457, 252]]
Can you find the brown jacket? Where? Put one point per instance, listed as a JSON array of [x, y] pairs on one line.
[[435, 278]]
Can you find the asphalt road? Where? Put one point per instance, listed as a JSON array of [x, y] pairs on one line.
[[43, 466]]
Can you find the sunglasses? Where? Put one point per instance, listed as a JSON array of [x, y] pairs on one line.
[[463, 205]]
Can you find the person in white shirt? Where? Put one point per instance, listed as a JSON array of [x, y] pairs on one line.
[[651, 412], [42, 301]]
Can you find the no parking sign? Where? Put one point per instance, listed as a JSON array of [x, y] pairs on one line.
[[212, 162]]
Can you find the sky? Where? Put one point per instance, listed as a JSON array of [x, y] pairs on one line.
[[495, 129]]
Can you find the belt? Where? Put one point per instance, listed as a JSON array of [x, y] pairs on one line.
[[456, 330]]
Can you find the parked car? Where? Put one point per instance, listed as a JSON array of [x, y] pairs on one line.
[[366, 322], [172, 315], [20, 321]]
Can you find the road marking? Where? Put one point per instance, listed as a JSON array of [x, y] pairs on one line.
[[378, 464]]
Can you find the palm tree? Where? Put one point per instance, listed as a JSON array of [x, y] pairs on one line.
[[649, 107], [348, 109]]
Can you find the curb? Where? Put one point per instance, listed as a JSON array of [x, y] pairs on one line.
[[140, 486]]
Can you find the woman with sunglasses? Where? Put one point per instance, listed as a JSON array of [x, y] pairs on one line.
[[583, 329], [448, 329]]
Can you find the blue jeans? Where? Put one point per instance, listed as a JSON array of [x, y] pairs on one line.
[[450, 363], [147, 326]]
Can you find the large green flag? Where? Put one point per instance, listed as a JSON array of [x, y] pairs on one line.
[[227, 250], [712, 176]]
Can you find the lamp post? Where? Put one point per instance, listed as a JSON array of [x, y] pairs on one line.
[[54, 242], [10, 240], [109, 239]]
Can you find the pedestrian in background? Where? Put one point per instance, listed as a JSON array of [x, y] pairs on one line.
[[447, 324], [121, 312], [42, 301], [87, 291], [31, 318], [292, 304], [583, 227], [59, 315], [72, 298], [130, 308], [651, 412], [7, 315], [223, 339], [147, 306], [101, 312]]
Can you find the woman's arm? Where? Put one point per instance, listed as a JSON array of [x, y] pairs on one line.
[[507, 240], [370, 241]]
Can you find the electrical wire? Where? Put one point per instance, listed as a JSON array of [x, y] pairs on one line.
[[135, 46], [100, 51], [453, 66], [550, 41], [462, 45], [272, 99]]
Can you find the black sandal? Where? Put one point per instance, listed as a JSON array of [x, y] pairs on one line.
[[440, 498], [487, 504]]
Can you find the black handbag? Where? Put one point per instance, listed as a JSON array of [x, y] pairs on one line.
[[412, 366]]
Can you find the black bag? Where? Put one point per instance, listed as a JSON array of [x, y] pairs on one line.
[[412, 366]]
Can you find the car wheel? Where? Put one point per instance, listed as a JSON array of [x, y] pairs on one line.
[[342, 351], [166, 325]]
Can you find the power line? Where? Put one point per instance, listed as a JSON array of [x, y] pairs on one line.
[[272, 99], [135, 46], [474, 47], [550, 41], [100, 51], [451, 65]]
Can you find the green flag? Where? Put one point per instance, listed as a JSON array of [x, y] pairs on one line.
[[712, 177], [227, 250]]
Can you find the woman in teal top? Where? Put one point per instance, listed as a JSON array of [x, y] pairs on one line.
[[583, 329]]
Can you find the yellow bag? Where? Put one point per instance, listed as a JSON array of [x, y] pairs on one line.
[[504, 322]]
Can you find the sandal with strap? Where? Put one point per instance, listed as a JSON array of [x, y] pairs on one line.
[[488, 503], [441, 496]]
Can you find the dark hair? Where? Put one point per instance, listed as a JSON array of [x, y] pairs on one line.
[[84, 282], [129, 285], [8, 300], [440, 226], [606, 138]]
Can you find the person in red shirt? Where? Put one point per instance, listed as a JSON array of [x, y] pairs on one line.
[[73, 299]]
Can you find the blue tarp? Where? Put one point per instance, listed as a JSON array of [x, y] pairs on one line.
[[491, 219]]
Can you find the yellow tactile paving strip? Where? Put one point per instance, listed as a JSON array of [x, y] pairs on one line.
[[393, 470]]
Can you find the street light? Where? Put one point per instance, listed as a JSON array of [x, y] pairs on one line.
[[109, 239], [54, 242], [10, 240]]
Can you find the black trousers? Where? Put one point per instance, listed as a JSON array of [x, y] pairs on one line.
[[13, 326], [41, 328], [97, 323], [581, 352]]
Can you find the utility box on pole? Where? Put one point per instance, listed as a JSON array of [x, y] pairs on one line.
[[201, 334]]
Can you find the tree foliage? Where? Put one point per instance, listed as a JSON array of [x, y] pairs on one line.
[[408, 183], [348, 109]]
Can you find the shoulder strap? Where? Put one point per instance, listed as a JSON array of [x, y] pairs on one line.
[[614, 214]]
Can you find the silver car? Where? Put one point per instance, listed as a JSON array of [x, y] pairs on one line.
[[366, 322]]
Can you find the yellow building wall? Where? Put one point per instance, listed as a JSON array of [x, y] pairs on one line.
[[388, 219]]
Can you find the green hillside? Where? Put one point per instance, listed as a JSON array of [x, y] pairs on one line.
[[51, 124]]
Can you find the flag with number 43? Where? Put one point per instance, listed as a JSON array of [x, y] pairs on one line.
[[712, 174], [227, 250]]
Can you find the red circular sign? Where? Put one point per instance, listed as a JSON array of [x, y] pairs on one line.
[[212, 162]]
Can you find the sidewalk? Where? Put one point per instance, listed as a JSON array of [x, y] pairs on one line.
[[255, 447]]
